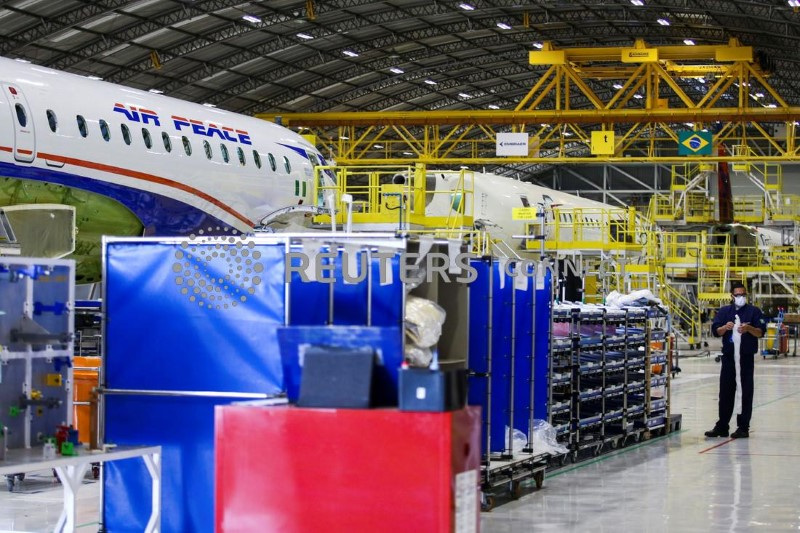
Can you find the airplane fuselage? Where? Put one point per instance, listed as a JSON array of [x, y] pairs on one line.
[[179, 167]]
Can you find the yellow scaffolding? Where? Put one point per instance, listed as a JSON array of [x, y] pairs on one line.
[[644, 125], [396, 197], [610, 230]]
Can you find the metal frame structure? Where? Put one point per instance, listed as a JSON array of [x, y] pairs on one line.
[[293, 56]]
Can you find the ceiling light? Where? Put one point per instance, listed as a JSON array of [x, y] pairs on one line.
[[492, 106], [617, 86], [663, 22], [688, 42], [156, 91], [430, 82], [377, 146], [397, 70], [759, 95], [503, 26], [545, 125], [252, 18], [538, 45], [305, 36], [638, 96], [464, 95], [344, 137], [466, 7], [567, 134], [350, 53], [637, 2], [772, 105], [794, 3], [690, 124], [209, 105], [407, 153]]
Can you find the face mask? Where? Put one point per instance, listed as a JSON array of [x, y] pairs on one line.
[[739, 301]]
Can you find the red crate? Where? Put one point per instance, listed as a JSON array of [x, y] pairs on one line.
[[288, 469]]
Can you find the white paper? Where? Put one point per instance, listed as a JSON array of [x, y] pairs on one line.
[[737, 344], [521, 280], [540, 276], [425, 245], [453, 249], [466, 497], [311, 249]]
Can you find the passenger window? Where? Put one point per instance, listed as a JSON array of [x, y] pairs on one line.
[[207, 148], [126, 134], [257, 158], [167, 141], [224, 150], [187, 145], [240, 153], [22, 117], [272, 164], [104, 130], [287, 165], [148, 141], [82, 126], [51, 119]]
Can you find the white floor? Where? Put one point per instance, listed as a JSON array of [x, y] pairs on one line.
[[683, 482]]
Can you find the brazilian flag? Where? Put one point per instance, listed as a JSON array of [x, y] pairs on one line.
[[694, 143]]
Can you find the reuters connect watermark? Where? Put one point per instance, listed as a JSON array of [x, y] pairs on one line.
[[323, 267]]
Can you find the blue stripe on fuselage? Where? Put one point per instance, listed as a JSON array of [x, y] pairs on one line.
[[160, 215]]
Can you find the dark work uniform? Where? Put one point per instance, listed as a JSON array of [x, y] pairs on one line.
[[747, 351]]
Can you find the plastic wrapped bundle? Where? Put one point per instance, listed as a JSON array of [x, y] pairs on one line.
[[416, 356], [424, 320], [544, 439]]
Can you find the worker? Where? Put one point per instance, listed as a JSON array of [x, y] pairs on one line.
[[752, 328]]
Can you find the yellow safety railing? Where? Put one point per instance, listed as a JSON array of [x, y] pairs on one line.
[[395, 196], [787, 209], [662, 209], [748, 209], [785, 259], [699, 208], [590, 229], [682, 249], [685, 311], [480, 242]]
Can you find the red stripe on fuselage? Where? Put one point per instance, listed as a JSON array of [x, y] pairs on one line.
[[24, 152], [151, 178]]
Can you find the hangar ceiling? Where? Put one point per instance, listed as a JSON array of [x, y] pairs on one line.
[[366, 55]]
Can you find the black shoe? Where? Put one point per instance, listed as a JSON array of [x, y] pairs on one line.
[[716, 432], [740, 434]]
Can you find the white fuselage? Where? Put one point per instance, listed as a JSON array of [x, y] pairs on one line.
[[495, 197], [169, 167]]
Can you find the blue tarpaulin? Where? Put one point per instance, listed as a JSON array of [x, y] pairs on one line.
[[204, 317]]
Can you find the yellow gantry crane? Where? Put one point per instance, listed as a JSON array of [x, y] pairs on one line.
[[572, 116]]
